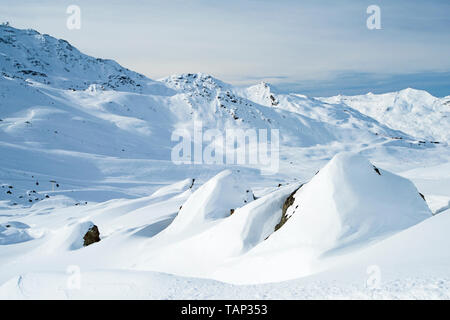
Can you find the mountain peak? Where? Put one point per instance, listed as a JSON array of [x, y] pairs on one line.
[[411, 92], [263, 85], [28, 54], [263, 93], [201, 83]]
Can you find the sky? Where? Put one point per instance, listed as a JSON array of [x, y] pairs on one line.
[[314, 47]]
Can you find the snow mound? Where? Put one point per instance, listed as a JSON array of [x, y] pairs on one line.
[[218, 241], [78, 231], [212, 201], [346, 207], [14, 232], [350, 201], [173, 188]]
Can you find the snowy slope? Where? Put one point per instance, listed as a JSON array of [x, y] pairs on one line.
[[132, 240], [418, 270], [52, 119]]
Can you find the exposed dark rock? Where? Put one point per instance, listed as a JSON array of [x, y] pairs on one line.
[[287, 203], [376, 170], [91, 236], [273, 100], [423, 197], [33, 73], [231, 211]]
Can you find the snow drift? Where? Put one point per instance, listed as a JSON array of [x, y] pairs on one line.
[[14, 232], [348, 204], [214, 200], [344, 208], [350, 200]]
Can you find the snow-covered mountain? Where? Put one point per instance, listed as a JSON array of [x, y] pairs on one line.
[[412, 111], [85, 146], [54, 100], [27, 54]]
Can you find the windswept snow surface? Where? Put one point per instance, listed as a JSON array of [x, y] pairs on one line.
[[85, 141]]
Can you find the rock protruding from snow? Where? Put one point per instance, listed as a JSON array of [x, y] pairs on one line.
[[348, 201], [83, 234], [286, 205], [212, 201], [91, 236]]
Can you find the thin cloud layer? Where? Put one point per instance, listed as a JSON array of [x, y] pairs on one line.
[[288, 42]]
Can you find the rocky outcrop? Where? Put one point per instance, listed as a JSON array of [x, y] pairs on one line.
[[91, 236], [289, 202]]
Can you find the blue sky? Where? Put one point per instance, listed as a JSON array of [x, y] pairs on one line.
[[312, 47]]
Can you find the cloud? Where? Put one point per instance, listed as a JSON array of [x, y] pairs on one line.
[[353, 83]]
